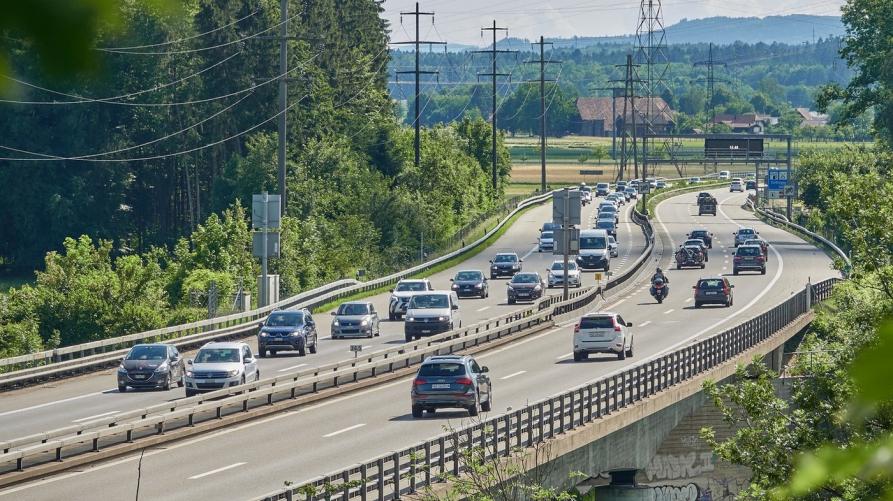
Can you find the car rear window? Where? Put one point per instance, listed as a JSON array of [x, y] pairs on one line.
[[749, 251], [442, 369], [604, 224], [710, 284], [597, 323]]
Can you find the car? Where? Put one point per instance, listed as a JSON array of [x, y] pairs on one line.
[[609, 211], [547, 241], [402, 293], [694, 180], [220, 365], [556, 274], [697, 242], [505, 264], [618, 198], [602, 189], [744, 234], [612, 246], [621, 185], [750, 185], [662, 184], [449, 382], [750, 175], [525, 286], [585, 195], [550, 226], [355, 319], [703, 197], [704, 235], [749, 257], [764, 245], [713, 290], [736, 185], [621, 195], [155, 366], [470, 283], [430, 313], [594, 253], [287, 330], [603, 332], [607, 225], [632, 193], [724, 174], [690, 256]]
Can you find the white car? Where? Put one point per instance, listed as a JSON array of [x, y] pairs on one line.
[[547, 241], [694, 180], [612, 246], [556, 274], [220, 365], [402, 293], [603, 332], [724, 174], [431, 313], [736, 185]]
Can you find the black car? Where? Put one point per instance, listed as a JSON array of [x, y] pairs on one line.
[[704, 235], [750, 185], [291, 330], [713, 290], [451, 381], [749, 257], [470, 283], [526, 286], [151, 366], [505, 264]]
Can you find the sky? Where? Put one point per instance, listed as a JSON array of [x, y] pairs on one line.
[[460, 21]]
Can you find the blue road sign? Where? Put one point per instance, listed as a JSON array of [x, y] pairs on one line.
[[777, 179]]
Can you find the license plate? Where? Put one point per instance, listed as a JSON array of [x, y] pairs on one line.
[[440, 386], [139, 376], [426, 331], [711, 293]]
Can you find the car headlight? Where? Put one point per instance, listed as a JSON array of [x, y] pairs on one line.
[[537, 288], [264, 334], [494, 267], [455, 286], [364, 323], [335, 323], [410, 319], [162, 368], [510, 288], [188, 373], [233, 373], [122, 370], [441, 319], [297, 333], [516, 266], [478, 286]]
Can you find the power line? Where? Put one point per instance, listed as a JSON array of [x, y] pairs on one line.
[[542, 80], [494, 74], [179, 40]]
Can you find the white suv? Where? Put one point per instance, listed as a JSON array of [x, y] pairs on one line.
[[736, 185], [603, 332], [220, 365], [401, 294]]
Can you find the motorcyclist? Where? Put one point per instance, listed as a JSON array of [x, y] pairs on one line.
[[659, 275]]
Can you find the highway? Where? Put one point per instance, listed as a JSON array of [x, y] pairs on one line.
[[63, 402], [258, 456]]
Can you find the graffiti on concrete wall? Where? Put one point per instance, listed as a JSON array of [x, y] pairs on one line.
[[690, 492], [673, 466]]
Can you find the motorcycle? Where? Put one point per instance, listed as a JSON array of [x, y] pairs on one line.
[[659, 290]]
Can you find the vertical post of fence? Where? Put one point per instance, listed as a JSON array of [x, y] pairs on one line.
[[396, 459]]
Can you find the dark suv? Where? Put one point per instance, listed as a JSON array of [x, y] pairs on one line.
[[505, 264], [713, 290], [749, 257], [704, 235], [287, 331], [451, 381]]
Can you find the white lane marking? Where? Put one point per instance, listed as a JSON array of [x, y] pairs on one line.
[[643, 324], [671, 310], [618, 303], [292, 367], [54, 402], [564, 356], [531, 251], [513, 375], [484, 308], [345, 430], [95, 416], [688, 300], [218, 470]]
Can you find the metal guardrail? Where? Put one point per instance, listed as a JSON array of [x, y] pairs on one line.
[[407, 471], [48, 364], [90, 436]]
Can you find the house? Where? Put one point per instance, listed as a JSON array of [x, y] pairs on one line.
[[752, 123], [600, 116], [812, 118]]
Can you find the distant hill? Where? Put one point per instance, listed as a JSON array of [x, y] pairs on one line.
[[791, 29]]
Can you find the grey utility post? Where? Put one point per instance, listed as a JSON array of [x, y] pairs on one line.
[[789, 194], [265, 216], [566, 208]]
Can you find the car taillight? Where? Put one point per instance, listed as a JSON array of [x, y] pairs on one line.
[[464, 380], [576, 328], [616, 326], [419, 382], [737, 258], [760, 258]]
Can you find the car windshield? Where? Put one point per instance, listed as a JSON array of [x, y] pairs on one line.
[[217, 355], [712, 283], [411, 286], [593, 242], [745, 232], [442, 369], [285, 320], [602, 185], [558, 265], [353, 309], [525, 278], [597, 323], [604, 224], [699, 233], [422, 301], [607, 208], [469, 275], [147, 353], [753, 242], [550, 226], [505, 258], [694, 242], [749, 251], [547, 234]]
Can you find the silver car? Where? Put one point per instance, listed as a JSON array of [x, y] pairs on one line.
[[355, 319], [451, 381], [220, 365], [556, 274]]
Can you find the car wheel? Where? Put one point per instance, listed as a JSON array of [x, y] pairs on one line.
[[621, 355], [697, 304], [122, 389], [243, 379], [511, 301], [734, 271], [301, 352], [629, 352], [169, 382], [492, 277], [273, 353], [257, 376], [678, 266], [703, 266], [391, 317], [262, 353], [578, 356], [182, 382], [190, 393], [706, 258], [763, 271], [416, 411], [486, 406], [473, 409], [408, 337], [313, 348]]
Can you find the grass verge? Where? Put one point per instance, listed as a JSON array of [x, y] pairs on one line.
[[661, 195]]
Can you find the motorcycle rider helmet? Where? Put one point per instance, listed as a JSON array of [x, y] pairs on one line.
[[660, 270]]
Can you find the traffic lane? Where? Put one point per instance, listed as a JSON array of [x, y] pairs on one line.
[[357, 427], [53, 405]]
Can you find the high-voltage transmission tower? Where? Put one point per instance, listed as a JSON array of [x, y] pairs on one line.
[[629, 138], [418, 73], [542, 62], [493, 73], [711, 63]]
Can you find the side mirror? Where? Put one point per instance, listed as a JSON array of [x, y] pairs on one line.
[[455, 307], [485, 279], [260, 325], [520, 260], [485, 369], [333, 313], [189, 362], [694, 286], [732, 286], [451, 280], [392, 291], [491, 261], [249, 360]]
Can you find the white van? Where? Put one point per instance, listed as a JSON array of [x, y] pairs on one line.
[[430, 313], [594, 253], [724, 174]]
